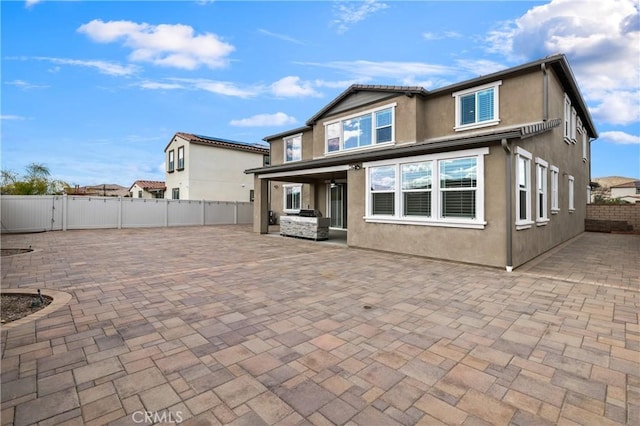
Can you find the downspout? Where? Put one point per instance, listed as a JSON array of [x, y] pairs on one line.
[[509, 202], [545, 93]]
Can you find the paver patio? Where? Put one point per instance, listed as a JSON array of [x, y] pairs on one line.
[[217, 325]]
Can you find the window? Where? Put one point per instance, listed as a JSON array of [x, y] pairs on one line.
[[416, 188], [181, 158], [383, 187], [292, 198], [523, 189], [458, 180], [139, 194], [477, 107], [541, 192], [360, 131], [444, 189], [266, 160], [175, 193], [170, 163], [567, 118], [585, 144], [571, 194], [555, 205], [573, 125], [252, 195], [293, 148], [637, 190]]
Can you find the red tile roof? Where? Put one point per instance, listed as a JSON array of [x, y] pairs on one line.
[[149, 184]]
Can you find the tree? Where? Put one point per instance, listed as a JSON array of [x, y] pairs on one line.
[[36, 181]]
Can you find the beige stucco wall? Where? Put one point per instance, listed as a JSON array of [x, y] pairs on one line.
[[520, 102], [552, 148], [479, 246], [212, 173]]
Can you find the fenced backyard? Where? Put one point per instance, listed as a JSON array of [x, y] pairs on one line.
[[36, 213]]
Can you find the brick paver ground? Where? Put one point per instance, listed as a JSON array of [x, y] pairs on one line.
[[217, 325]]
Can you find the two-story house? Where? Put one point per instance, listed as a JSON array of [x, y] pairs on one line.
[[147, 189], [207, 168], [490, 171]]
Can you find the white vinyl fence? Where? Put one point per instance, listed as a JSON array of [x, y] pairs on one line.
[[35, 213]]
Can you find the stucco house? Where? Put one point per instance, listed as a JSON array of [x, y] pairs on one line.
[[629, 191], [491, 171], [147, 189], [208, 168]]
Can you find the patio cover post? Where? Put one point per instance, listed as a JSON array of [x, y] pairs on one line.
[[261, 205]]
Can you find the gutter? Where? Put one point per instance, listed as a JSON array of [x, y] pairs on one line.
[[509, 207], [545, 92]]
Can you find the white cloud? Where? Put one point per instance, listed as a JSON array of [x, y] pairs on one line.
[[166, 45], [292, 86], [12, 117], [30, 3], [618, 137], [429, 36], [103, 67], [405, 72], [280, 36], [154, 85], [261, 120], [617, 106], [480, 66], [601, 40], [349, 13], [219, 87], [25, 85]]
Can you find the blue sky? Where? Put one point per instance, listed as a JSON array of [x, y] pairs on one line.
[[96, 89]]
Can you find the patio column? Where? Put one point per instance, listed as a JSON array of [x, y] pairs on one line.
[[261, 205]]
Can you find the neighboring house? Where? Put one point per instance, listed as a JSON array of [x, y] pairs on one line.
[[102, 190], [206, 168], [490, 171], [147, 189], [629, 191]]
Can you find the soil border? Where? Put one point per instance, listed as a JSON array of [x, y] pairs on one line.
[[60, 299]]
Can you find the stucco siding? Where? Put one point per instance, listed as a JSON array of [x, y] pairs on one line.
[[479, 246]]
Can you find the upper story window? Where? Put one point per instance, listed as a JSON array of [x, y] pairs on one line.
[[180, 158], [171, 162], [175, 193], [571, 194], [266, 160], [293, 148], [360, 131], [477, 107]]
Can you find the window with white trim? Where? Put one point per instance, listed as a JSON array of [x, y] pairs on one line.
[[555, 205], [573, 125], [567, 118], [416, 188], [477, 107], [445, 189], [523, 189], [585, 144], [383, 186], [293, 148], [360, 131], [292, 198], [571, 194], [541, 191]]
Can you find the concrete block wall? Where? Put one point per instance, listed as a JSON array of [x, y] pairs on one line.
[[617, 215]]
